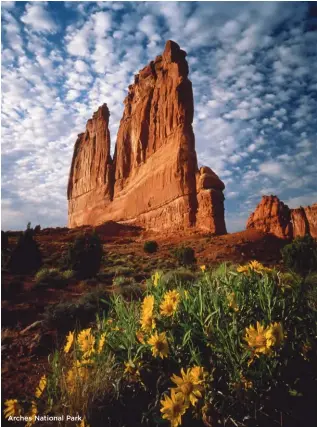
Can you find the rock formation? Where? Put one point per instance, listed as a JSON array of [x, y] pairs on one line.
[[153, 179], [273, 216], [92, 174]]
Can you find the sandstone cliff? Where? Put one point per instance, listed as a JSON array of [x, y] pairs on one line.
[[153, 179], [273, 216]]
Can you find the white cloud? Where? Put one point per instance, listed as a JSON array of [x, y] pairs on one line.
[[254, 112], [38, 18], [272, 168], [306, 200], [232, 195], [102, 23], [148, 25]]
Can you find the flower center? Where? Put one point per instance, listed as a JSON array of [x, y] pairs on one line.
[[260, 340], [169, 308], [176, 409], [159, 345], [187, 388]]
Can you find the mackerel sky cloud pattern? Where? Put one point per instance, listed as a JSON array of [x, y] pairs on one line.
[[254, 73]]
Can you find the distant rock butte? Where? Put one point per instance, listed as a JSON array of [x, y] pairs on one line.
[[153, 179], [273, 216]]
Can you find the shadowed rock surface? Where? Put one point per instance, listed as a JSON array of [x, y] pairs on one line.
[[273, 216], [153, 180]]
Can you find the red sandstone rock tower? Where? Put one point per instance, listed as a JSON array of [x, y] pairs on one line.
[[153, 180], [273, 216]]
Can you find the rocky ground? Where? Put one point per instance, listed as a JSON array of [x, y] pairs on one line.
[[27, 341]]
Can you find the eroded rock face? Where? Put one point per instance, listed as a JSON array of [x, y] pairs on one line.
[[91, 176], [311, 215], [152, 178], [210, 198], [273, 216]]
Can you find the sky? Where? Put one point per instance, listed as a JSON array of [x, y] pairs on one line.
[[253, 66]]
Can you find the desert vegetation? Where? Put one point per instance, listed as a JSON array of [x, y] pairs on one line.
[[233, 345]]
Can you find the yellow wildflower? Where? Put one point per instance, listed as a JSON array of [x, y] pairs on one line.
[[101, 342], [33, 412], [86, 342], [140, 336], [13, 408], [243, 269], [203, 268], [78, 373], [168, 308], [173, 408], [255, 266], [156, 278], [198, 373], [189, 385], [170, 302], [83, 423], [84, 362], [275, 335], [232, 301], [41, 387], [159, 345], [257, 339], [246, 383], [132, 368], [69, 342], [173, 296], [147, 319]]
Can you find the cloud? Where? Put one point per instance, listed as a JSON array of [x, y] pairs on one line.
[[38, 18], [306, 200], [272, 168], [254, 72]]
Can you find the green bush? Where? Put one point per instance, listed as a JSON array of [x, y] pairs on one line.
[[67, 315], [37, 229], [84, 256], [301, 255], [150, 246], [123, 271], [53, 278], [127, 287], [243, 339], [14, 287], [4, 241], [177, 277], [184, 255], [121, 281], [26, 256]]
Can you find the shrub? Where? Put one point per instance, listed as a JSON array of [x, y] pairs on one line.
[[52, 278], [127, 287], [301, 255], [184, 255], [37, 229], [180, 276], [26, 256], [150, 246], [121, 281], [4, 241], [67, 315], [84, 255], [123, 271], [238, 346], [14, 287]]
